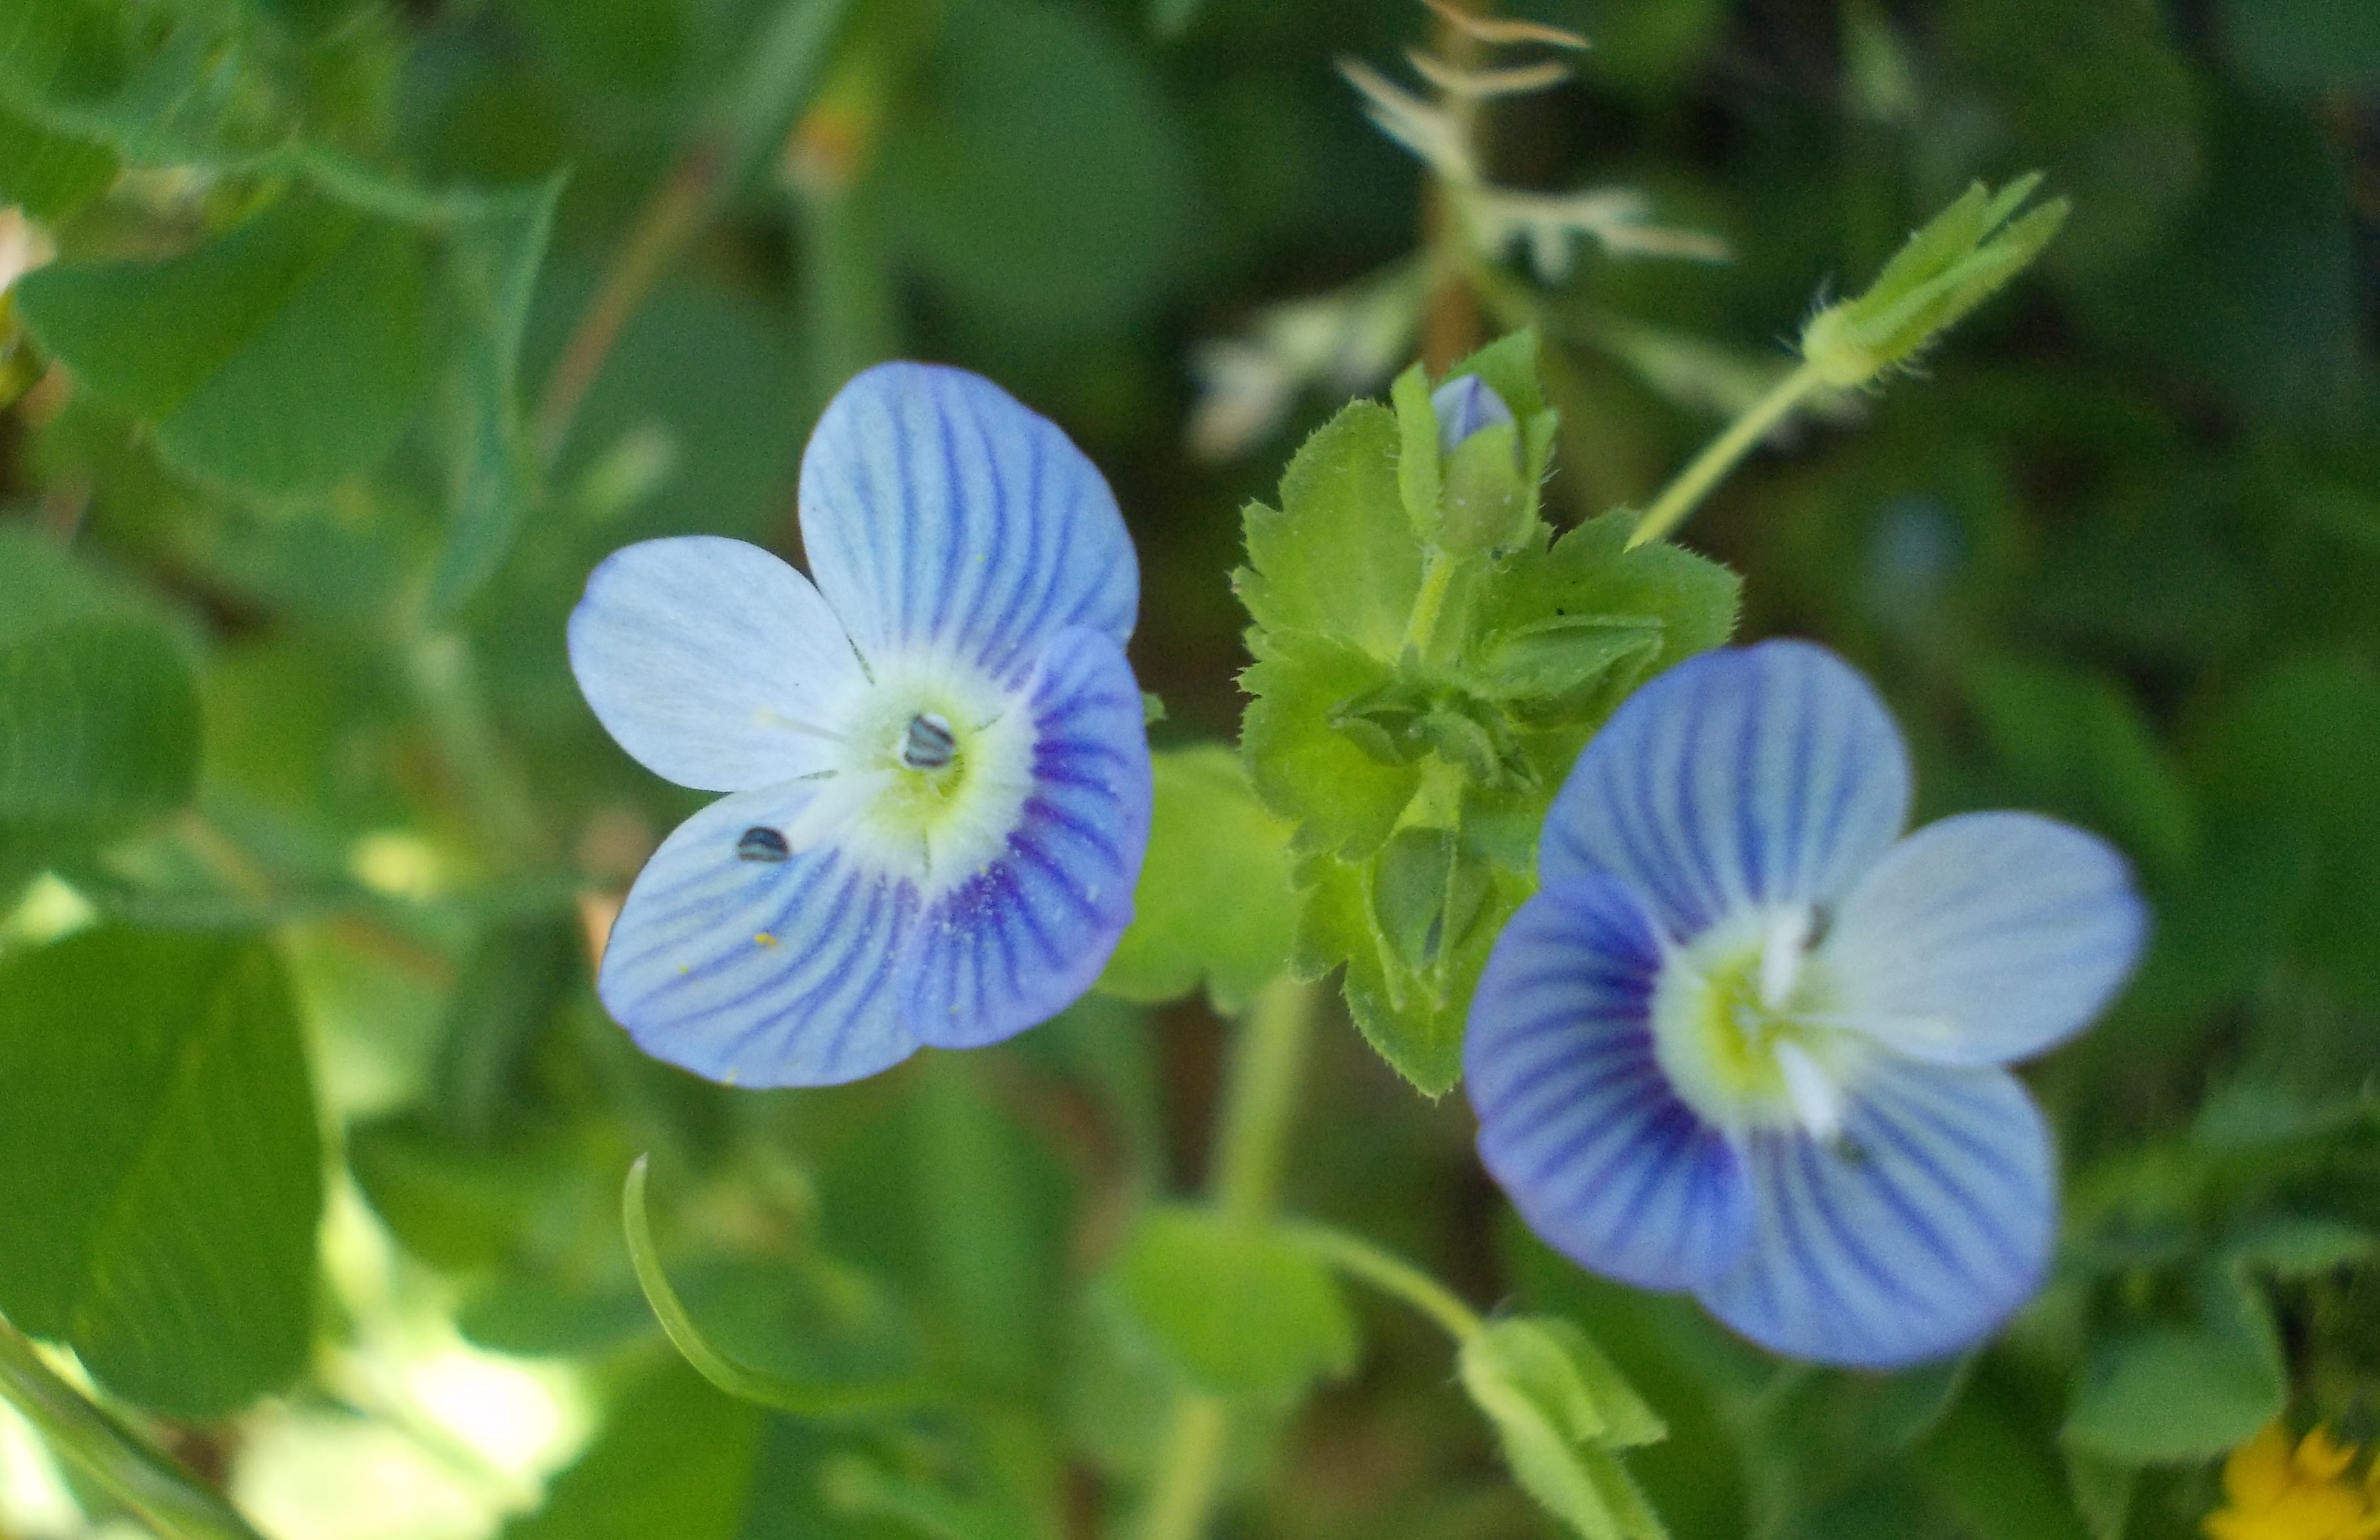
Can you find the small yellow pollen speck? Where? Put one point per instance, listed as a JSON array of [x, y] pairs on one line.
[[764, 939], [686, 967]]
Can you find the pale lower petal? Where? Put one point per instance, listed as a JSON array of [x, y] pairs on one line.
[[1748, 777], [1576, 1122], [938, 514], [767, 971], [1985, 938], [1911, 1236], [713, 662], [1023, 937]]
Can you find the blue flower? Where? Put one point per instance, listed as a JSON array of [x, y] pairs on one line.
[[937, 776], [1464, 404], [1747, 1040]]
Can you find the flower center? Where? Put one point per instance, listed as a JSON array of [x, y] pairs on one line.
[[934, 765], [1741, 1026], [927, 743]]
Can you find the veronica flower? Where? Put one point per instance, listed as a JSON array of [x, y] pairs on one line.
[[1747, 1040], [938, 777]]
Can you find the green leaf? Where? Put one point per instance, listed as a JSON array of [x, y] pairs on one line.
[[1038, 140], [1215, 901], [2305, 47], [1568, 630], [676, 1458], [1408, 988], [2286, 763], [50, 176], [164, 1174], [1304, 760], [2080, 746], [1339, 559], [1559, 1409], [279, 358], [99, 725], [491, 267], [2103, 1493], [1240, 1309], [2171, 1393], [2298, 1246]]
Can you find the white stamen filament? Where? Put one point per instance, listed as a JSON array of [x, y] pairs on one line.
[[1817, 1100], [1782, 951]]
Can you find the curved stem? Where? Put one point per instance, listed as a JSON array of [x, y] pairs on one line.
[[168, 1498], [738, 1380], [1720, 455], [1392, 1275]]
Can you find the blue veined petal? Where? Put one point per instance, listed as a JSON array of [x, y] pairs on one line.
[[745, 962], [712, 662], [1464, 404], [1985, 938], [1916, 1234], [1024, 937], [937, 510], [1576, 1122], [1753, 775]]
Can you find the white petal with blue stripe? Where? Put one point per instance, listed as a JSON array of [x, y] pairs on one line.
[[1018, 940], [1914, 1234], [1741, 779], [1576, 1121], [751, 951], [713, 662], [1985, 938], [941, 515]]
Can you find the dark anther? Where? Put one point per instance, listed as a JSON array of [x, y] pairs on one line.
[[928, 745], [760, 843]]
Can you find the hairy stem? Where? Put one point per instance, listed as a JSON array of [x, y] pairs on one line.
[[1243, 1183], [168, 1498], [1693, 483]]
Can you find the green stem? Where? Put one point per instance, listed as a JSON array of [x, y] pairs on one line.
[[1244, 1182], [143, 1478], [1260, 1101], [810, 1400], [1190, 1469], [1695, 482], [1437, 579], [446, 683], [1392, 1275]]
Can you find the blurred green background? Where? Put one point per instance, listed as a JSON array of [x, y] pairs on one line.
[[291, 757]]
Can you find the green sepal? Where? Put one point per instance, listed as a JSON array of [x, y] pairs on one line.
[[1945, 269], [1561, 1410], [1418, 468], [1215, 901], [1339, 558], [1490, 500], [1509, 365], [1239, 1308]]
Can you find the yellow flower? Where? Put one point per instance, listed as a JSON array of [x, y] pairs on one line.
[[2275, 1493]]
